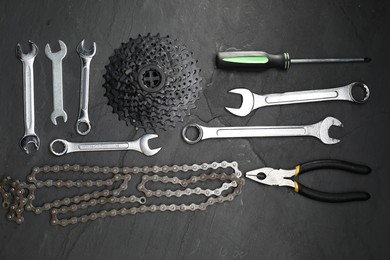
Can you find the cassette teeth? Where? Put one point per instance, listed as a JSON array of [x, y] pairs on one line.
[[152, 82]]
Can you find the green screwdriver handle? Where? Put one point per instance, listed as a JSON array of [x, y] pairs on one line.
[[252, 60]]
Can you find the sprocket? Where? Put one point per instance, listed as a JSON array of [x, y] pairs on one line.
[[152, 82]]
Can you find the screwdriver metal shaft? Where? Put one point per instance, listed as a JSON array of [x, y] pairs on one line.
[[332, 60]]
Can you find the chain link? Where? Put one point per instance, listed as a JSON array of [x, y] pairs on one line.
[[19, 196]]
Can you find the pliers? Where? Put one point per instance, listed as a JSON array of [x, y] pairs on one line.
[[280, 177]]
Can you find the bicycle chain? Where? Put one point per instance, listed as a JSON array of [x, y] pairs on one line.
[[18, 196]]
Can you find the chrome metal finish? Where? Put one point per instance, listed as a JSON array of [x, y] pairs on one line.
[[273, 177], [252, 101], [30, 137], [58, 103], [140, 145], [318, 130], [331, 60], [86, 56]]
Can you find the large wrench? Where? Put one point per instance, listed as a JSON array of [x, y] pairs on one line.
[[252, 101], [58, 102], [318, 130], [30, 137], [86, 56], [141, 145]]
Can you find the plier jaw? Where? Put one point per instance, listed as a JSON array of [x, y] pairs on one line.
[[272, 177]]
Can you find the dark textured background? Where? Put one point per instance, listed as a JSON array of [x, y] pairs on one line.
[[263, 222]]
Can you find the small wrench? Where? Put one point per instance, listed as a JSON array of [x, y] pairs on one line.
[[140, 145], [30, 137], [86, 56], [58, 102], [252, 101], [318, 130]]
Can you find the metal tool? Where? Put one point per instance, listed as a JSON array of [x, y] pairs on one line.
[[58, 103], [86, 56], [205, 185], [318, 130], [280, 177], [262, 60], [252, 101], [30, 137], [152, 82], [140, 145]]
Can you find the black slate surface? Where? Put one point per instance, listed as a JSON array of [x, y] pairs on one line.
[[263, 222]]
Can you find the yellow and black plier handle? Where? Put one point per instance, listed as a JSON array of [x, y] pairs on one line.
[[280, 177]]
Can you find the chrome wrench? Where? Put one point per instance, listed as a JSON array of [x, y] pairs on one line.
[[319, 130], [58, 102], [30, 137], [141, 145], [86, 56], [252, 101]]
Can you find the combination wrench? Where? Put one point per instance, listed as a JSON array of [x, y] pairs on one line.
[[86, 56], [58, 103], [140, 145], [30, 137], [252, 101], [319, 130]]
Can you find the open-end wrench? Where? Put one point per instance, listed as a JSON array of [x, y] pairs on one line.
[[252, 101], [86, 56], [58, 103], [30, 137], [140, 145], [318, 130]]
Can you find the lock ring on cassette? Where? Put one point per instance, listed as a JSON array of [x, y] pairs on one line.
[[151, 78]]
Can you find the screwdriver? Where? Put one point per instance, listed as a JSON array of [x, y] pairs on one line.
[[263, 60]]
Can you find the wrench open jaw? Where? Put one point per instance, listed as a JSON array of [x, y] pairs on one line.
[[58, 113], [83, 52], [140, 145], [324, 126], [29, 137], [27, 56], [144, 145], [59, 55], [56, 59], [247, 105]]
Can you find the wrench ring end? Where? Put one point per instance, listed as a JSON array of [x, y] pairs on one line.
[[87, 124], [55, 114], [63, 142], [199, 130], [359, 85]]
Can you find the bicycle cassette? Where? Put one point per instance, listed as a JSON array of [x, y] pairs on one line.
[[152, 82]]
